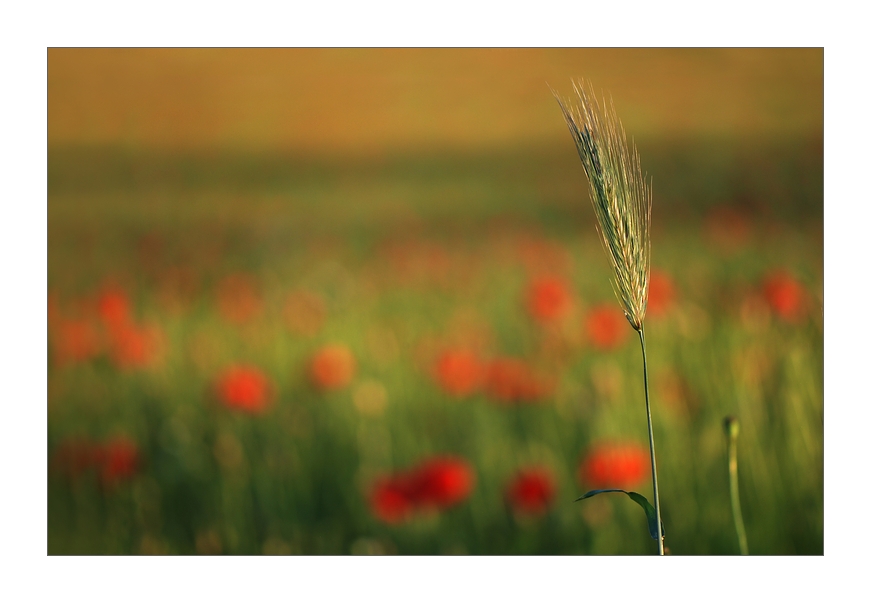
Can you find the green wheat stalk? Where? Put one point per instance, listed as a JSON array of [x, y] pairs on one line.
[[622, 200]]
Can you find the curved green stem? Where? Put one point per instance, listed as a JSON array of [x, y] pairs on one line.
[[652, 452]]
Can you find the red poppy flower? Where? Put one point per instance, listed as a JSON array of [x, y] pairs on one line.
[[531, 491], [113, 306], [615, 465], [437, 483], [75, 341], [511, 380], [132, 346], [118, 460], [785, 295], [441, 482], [391, 500], [548, 299], [245, 388], [607, 327], [459, 372], [332, 367], [239, 298], [660, 295]]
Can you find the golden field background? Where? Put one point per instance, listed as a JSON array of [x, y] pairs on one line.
[[364, 101]]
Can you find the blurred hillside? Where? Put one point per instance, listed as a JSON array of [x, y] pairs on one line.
[[446, 126]]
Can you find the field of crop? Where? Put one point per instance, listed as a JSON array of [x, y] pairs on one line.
[[292, 352]]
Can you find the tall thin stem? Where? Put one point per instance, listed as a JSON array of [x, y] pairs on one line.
[[652, 452], [731, 426]]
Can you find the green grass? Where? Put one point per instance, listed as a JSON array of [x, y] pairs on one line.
[[296, 479]]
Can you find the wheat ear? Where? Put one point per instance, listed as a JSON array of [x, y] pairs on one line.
[[621, 197]]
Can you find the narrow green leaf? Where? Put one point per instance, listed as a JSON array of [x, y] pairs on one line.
[[649, 511]]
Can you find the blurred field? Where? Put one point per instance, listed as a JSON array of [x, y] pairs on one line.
[[218, 218]]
